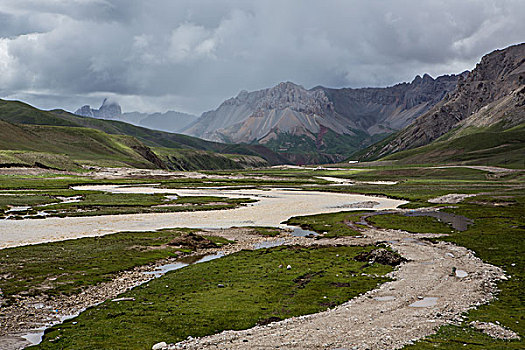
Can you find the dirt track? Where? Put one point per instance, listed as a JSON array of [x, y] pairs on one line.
[[382, 318]]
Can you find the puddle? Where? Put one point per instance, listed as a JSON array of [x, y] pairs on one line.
[[161, 270], [298, 231], [268, 244], [458, 222], [73, 199], [388, 183], [337, 180], [413, 240], [210, 257], [385, 298], [461, 273], [425, 302], [36, 336], [17, 209]]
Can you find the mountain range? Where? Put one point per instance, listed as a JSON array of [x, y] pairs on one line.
[[326, 124], [485, 115], [170, 121], [476, 117]]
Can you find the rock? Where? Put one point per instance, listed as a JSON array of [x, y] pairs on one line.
[[291, 109], [461, 273], [220, 285], [192, 241], [289, 267], [160, 346], [108, 110], [124, 299], [381, 256]]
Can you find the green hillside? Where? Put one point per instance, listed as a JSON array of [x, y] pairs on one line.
[[22, 113], [484, 146], [58, 139], [64, 147]]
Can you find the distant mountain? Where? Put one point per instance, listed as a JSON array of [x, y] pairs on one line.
[[490, 99], [170, 121], [108, 110], [320, 124]]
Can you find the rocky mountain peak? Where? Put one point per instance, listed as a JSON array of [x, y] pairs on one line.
[[426, 79], [495, 81], [108, 110]]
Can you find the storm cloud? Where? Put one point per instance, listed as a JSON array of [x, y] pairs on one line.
[[191, 55]]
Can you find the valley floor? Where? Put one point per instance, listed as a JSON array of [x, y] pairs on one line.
[[463, 295]]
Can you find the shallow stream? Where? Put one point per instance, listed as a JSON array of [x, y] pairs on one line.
[[273, 207]]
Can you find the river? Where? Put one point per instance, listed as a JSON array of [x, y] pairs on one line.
[[273, 206]]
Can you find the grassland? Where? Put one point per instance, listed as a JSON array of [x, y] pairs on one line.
[[255, 290], [67, 267], [331, 225], [424, 224], [74, 145], [102, 203]]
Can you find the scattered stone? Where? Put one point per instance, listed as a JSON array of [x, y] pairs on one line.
[[220, 285], [452, 198], [425, 302], [289, 267], [495, 330]]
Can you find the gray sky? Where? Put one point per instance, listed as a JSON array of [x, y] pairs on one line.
[[190, 55]]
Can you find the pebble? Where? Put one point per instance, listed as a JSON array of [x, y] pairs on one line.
[[289, 267], [160, 346], [123, 299]]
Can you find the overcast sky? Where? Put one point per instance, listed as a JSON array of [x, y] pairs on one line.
[[155, 55]]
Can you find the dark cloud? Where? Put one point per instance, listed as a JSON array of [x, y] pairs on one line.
[[190, 55]]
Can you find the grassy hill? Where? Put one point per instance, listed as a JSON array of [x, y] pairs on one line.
[[486, 146], [65, 147], [22, 113], [84, 140]]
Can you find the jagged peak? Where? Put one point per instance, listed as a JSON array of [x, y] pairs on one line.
[[417, 79], [427, 78], [109, 102]]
